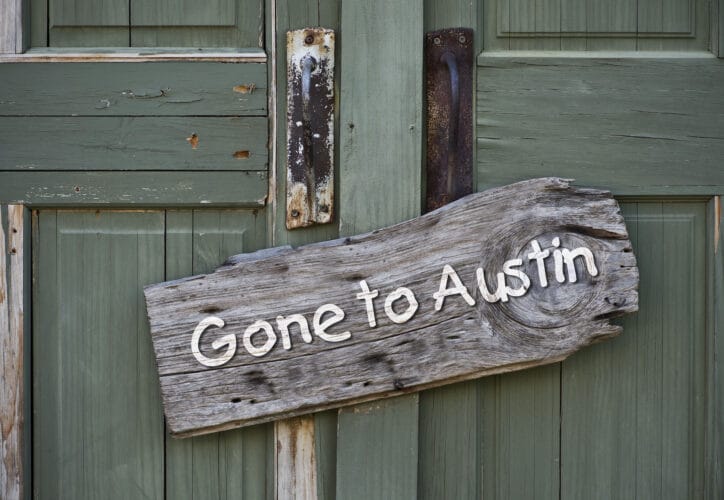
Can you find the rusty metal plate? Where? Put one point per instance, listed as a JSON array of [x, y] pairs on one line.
[[310, 127], [449, 92]]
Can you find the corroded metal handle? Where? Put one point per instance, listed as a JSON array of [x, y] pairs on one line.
[[453, 116], [449, 62]]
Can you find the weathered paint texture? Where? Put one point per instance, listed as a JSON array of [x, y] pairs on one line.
[[310, 127], [442, 337], [11, 352]]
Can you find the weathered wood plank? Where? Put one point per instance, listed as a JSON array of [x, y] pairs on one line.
[[240, 189], [98, 428], [134, 89], [12, 36], [223, 465], [296, 465], [380, 137], [12, 361], [133, 143], [630, 117], [262, 387]]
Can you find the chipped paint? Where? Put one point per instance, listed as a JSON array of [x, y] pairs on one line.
[[193, 139], [244, 89], [241, 154], [310, 127]]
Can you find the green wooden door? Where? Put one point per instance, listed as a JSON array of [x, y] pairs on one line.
[[130, 171]]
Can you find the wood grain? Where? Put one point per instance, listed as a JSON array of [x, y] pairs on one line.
[[12, 322], [630, 117], [133, 143], [150, 188], [388, 360], [132, 89], [11, 26]]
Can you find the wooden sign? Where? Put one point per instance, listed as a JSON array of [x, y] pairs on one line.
[[510, 278]]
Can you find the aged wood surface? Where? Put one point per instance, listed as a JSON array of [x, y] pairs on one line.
[[636, 116], [456, 342], [245, 189], [133, 143], [295, 459], [11, 26], [134, 89], [12, 373]]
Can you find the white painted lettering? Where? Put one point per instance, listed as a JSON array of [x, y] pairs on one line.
[[227, 340], [448, 273], [411, 305], [539, 256], [257, 327], [320, 326], [570, 255], [514, 273], [367, 296], [284, 323], [558, 260]]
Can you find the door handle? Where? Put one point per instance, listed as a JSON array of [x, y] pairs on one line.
[[310, 127], [449, 89]]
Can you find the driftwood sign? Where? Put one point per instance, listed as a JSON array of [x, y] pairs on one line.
[[510, 278]]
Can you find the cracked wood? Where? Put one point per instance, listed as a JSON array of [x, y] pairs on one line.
[[448, 336]]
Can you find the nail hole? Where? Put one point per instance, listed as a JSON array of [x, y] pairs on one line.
[[236, 400]]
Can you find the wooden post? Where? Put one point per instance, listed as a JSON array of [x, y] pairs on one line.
[[11, 353]]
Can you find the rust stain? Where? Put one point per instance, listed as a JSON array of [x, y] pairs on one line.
[[241, 154], [193, 139], [244, 89]]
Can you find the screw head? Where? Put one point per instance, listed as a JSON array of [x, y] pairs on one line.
[[309, 39], [462, 39], [295, 213], [436, 40]]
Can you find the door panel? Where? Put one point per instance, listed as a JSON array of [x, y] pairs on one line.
[[98, 424], [233, 464], [98, 427], [632, 415]]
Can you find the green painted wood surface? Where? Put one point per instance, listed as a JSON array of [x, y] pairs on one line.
[[145, 189], [450, 417], [172, 23], [520, 434], [596, 25], [377, 450], [714, 437], [186, 23], [97, 425], [632, 410], [380, 143], [132, 89], [628, 125], [449, 455], [232, 464], [133, 143], [85, 23]]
